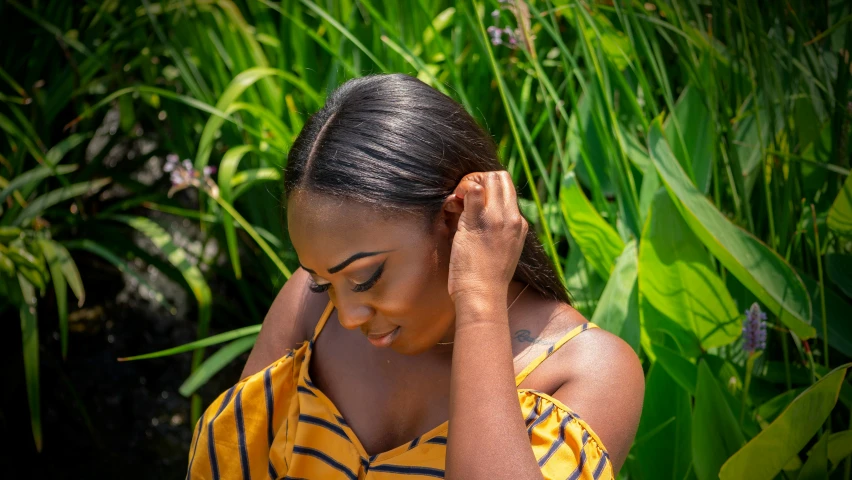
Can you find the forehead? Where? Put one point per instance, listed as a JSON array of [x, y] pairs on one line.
[[325, 230]]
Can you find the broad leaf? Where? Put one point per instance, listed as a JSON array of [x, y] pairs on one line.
[[816, 467], [665, 428], [684, 372], [767, 453], [840, 213], [598, 241], [716, 434], [757, 266], [676, 276], [618, 307]]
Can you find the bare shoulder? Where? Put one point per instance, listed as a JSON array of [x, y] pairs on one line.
[[291, 320], [603, 381]]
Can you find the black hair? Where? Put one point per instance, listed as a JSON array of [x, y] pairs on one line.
[[397, 144]]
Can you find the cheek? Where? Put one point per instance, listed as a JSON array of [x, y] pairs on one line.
[[420, 294]]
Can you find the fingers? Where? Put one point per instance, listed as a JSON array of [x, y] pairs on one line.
[[488, 191]]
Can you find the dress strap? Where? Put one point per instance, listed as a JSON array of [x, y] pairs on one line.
[[535, 363], [322, 320]]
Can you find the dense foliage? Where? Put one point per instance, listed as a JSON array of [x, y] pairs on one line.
[[685, 163]]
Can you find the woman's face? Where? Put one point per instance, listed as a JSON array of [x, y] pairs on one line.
[[382, 274]]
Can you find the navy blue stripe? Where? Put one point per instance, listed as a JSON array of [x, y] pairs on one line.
[[414, 443], [437, 440], [325, 458], [310, 383], [270, 403], [366, 464], [195, 448], [585, 327], [550, 350], [322, 423], [556, 443], [540, 419], [601, 465], [341, 420], [241, 435], [373, 458], [404, 470], [211, 444], [576, 474], [302, 389], [533, 412]]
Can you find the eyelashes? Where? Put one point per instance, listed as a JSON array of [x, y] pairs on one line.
[[361, 287]]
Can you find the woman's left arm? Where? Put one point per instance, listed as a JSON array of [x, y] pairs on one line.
[[487, 436]]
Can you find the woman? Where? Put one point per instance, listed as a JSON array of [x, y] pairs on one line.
[[412, 340]]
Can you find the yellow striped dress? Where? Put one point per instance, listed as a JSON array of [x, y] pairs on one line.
[[276, 424]]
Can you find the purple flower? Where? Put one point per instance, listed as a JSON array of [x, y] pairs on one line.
[[184, 175], [754, 329], [496, 35]]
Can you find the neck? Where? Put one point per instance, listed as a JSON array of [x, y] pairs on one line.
[[512, 299]]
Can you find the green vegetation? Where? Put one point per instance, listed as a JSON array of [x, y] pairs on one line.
[[680, 160]]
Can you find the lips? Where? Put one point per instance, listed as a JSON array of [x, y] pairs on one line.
[[383, 339]]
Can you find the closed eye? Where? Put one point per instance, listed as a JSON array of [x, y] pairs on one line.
[[363, 287]]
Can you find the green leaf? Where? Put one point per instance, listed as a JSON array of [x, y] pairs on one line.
[[618, 309], [121, 265], [767, 453], [665, 428], [684, 372], [29, 338], [699, 136], [63, 271], [770, 410], [716, 434], [32, 177], [676, 276], [840, 213], [187, 347], [839, 269], [598, 241], [216, 362], [40, 204], [227, 169], [754, 264], [816, 467], [839, 446]]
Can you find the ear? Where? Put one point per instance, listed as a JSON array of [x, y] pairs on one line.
[[448, 217]]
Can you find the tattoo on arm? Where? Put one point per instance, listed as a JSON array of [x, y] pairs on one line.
[[524, 336]]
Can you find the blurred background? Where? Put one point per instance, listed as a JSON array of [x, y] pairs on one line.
[[684, 162]]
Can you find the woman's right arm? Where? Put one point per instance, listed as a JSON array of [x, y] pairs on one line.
[[289, 322]]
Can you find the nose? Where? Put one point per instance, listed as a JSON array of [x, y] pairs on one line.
[[352, 313]]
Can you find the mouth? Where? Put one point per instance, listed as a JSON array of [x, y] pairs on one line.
[[383, 339]]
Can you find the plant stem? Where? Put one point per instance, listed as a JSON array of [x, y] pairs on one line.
[[821, 286]]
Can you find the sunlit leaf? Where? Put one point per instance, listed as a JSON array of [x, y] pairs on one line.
[[676, 276], [758, 267], [840, 214], [618, 307], [598, 241], [766, 454]]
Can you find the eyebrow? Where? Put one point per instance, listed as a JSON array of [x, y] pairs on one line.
[[346, 262]]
